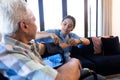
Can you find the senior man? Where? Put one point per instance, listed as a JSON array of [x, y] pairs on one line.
[[17, 61]]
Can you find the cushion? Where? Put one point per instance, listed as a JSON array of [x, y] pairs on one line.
[[84, 50], [110, 45], [97, 45], [88, 49]]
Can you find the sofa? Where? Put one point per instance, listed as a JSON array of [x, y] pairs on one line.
[[105, 60]]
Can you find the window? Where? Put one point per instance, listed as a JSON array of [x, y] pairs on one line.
[[88, 15], [91, 17], [76, 9], [94, 17], [100, 18], [52, 13], [33, 4]]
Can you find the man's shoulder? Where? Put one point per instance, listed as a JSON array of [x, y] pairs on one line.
[[4, 47]]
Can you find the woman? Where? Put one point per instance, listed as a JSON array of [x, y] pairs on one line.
[[67, 38]]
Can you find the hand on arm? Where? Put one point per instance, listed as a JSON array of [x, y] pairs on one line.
[[75, 42], [55, 38], [84, 41], [64, 45]]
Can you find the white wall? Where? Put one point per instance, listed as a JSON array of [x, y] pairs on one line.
[[116, 17], [0, 36]]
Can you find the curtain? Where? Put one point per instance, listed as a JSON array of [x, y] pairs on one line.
[[107, 17]]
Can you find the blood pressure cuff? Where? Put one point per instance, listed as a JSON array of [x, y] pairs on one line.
[[52, 49]]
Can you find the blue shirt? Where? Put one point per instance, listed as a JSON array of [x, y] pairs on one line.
[[62, 39], [18, 62]]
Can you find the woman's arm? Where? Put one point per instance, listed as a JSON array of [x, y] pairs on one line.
[[84, 41], [75, 42], [40, 35]]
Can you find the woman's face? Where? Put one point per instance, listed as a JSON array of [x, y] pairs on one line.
[[67, 26]]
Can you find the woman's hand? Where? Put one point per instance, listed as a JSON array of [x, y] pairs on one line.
[[73, 42], [85, 41], [55, 38]]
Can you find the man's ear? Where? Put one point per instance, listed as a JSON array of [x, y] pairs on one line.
[[23, 26]]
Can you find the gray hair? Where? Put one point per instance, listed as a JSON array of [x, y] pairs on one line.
[[11, 13]]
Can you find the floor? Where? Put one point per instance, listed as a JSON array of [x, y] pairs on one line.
[[113, 77]]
